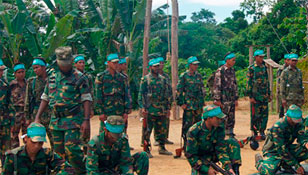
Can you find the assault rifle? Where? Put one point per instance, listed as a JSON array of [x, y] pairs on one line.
[[217, 168]]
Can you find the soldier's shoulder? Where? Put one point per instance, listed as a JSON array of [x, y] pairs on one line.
[[47, 151], [195, 128], [13, 82], [184, 74], [252, 66], [14, 151], [30, 80], [93, 142]]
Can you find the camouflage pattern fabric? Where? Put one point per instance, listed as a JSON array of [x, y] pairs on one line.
[[166, 76], [129, 96], [68, 145], [280, 107], [204, 144], [225, 91], [159, 123], [116, 159], [279, 147], [190, 117], [258, 88], [5, 141], [18, 99], [291, 86], [33, 101], [45, 160], [259, 117]]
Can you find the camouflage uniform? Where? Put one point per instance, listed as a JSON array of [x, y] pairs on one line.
[[112, 94], [154, 97], [291, 86], [259, 89], [6, 118], [18, 94], [279, 147], [279, 72], [225, 91], [129, 96], [166, 76], [34, 90], [65, 94], [116, 159], [210, 145], [190, 91]]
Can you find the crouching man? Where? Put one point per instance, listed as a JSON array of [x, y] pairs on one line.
[[109, 152], [206, 143]]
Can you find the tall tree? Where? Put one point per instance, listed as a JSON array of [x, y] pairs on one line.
[[146, 36]]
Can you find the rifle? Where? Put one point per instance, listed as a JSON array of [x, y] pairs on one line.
[[245, 141], [217, 168]]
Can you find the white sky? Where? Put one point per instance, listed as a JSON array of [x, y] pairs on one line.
[[156, 3]]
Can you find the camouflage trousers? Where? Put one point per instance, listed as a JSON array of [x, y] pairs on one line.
[[167, 128], [259, 116], [141, 163], [159, 124], [20, 124], [5, 140], [272, 161], [280, 108], [233, 151], [229, 109], [67, 144], [190, 117]]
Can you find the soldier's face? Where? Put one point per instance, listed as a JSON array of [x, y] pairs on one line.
[[155, 69], [293, 63], [20, 74], [80, 65], [161, 66], [1, 72], [112, 137], [65, 68], [33, 147], [193, 67], [287, 62], [113, 65], [215, 121], [122, 67], [259, 59], [39, 70], [230, 62]]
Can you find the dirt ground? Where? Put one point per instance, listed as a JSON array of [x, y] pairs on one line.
[[167, 164]]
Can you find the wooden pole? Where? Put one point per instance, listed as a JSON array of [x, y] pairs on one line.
[[271, 76], [250, 55], [146, 37], [174, 54]]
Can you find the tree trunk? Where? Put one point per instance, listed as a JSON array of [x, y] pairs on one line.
[[306, 6], [146, 37], [174, 54]]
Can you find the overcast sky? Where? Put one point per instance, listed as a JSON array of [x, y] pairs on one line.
[[221, 8]]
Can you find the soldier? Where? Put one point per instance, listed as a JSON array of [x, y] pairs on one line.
[[280, 149], [190, 96], [206, 142], [155, 104], [279, 71], [109, 152], [112, 91], [210, 80], [18, 93], [33, 158], [225, 92], [259, 93], [34, 90], [65, 91], [6, 115], [291, 86]]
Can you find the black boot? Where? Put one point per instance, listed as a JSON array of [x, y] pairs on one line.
[[236, 169], [262, 134]]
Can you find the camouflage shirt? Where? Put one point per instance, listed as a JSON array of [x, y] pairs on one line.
[[129, 92], [7, 111], [45, 160], [153, 95], [225, 86], [64, 93], [18, 95], [280, 136], [103, 158], [169, 84], [258, 83], [279, 72], [204, 144], [291, 86], [190, 91], [112, 95]]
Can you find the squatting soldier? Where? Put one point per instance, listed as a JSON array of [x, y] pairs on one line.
[[33, 158], [206, 142], [65, 91], [112, 91], [155, 103], [190, 96], [109, 152], [291, 86], [226, 93], [34, 91], [7, 113], [279, 148], [18, 93], [258, 90], [279, 71]]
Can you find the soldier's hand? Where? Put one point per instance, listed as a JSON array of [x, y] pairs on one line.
[[217, 103], [232, 172], [102, 117], [184, 106], [300, 170], [270, 99], [28, 122], [168, 114], [125, 116], [85, 127], [306, 145], [144, 112], [37, 121], [236, 103], [284, 103], [212, 171], [252, 100]]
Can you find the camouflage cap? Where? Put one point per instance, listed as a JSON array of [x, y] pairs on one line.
[[160, 59], [193, 60], [115, 124], [220, 63], [212, 111], [293, 56], [64, 55], [295, 113], [154, 62], [229, 56], [2, 66], [37, 132], [259, 53]]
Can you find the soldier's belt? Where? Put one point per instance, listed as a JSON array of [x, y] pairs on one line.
[[66, 112]]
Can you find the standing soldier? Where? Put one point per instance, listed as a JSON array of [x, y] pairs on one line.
[[112, 92], [210, 80], [225, 92], [279, 71], [206, 142], [65, 91], [18, 93], [34, 91], [155, 105], [258, 90], [190, 96], [291, 86], [6, 115]]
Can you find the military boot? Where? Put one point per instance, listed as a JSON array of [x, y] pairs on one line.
[[169, 142], [236, 169], [149, 154], [162, 150], [156, 143], [262, 134]]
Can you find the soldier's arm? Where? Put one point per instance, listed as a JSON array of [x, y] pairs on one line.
[[217, 86], [302, 138], [126, 165], [128, 102], [57, 164], [249, 82], [203, 93], [283, 85], [168, 95], [44, 103], [8, 167], [99, 94], [221, 148], [180, 91], [92, 160], [11, 108], [140, 94], [236, 88], [27, 101]]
